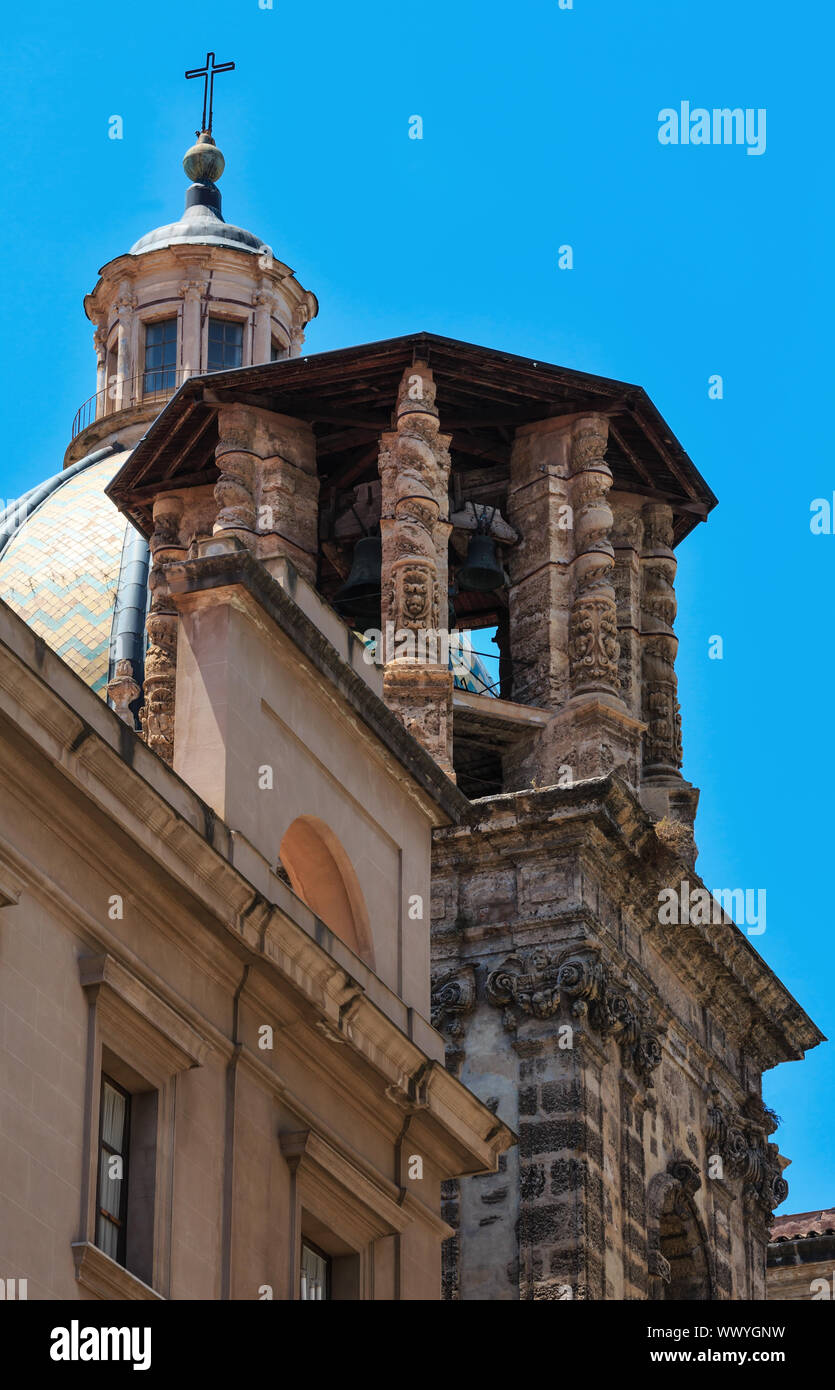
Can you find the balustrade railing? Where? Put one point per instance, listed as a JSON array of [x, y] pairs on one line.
[[156, 384]]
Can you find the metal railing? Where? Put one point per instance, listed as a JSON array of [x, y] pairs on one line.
[[156, 384]]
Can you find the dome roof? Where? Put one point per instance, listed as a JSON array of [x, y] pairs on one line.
[[74, 570], [202, 221], [202, 225]]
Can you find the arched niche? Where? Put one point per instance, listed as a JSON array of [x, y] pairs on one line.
[[679, 1255], [323, 876]]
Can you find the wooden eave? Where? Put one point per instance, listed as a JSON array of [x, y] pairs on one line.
[[348, 397]]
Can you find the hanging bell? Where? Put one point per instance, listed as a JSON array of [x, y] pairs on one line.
[[360, 596], [481, 570]]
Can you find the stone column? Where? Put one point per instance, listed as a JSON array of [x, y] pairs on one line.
[[539, 508], [235, 488], [192, 293], [663, 790], [593, 646], [662, 742], [414, 468], [268, 490], [156, 716], [563, 609], [627, 536]]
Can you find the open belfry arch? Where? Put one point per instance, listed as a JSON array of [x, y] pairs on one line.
[[604, 1038]]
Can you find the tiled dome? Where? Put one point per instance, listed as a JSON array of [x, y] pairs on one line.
[[69, 565]]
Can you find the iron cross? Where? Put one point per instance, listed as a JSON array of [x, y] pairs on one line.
[[208, 75]]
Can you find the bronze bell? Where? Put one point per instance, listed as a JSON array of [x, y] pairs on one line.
[[360, 597], [481, 571]]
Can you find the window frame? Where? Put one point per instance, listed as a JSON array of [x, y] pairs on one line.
[[227, 320], [165, 368]]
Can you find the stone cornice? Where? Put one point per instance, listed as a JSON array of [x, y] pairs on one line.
[[718, 961]]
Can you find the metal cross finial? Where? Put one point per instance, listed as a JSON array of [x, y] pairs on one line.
[[208, 75]]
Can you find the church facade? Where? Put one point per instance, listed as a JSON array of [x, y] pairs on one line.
[[331, 966]]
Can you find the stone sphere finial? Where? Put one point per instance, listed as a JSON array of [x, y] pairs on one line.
[[204, 162]]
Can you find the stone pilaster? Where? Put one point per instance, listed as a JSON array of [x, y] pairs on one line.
[[192, 293], [126, 309], [261, 336], [414, 469], [156, 716], [100, 344]]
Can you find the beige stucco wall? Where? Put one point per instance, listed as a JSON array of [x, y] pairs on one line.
[[247, 701]]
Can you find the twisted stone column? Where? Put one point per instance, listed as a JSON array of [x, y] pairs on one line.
[[414, 468], [156, 716]]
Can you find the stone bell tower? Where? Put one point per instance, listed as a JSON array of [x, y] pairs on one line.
[[625, 1051]]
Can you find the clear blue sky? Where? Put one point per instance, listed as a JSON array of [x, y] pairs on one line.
[[540, 128]]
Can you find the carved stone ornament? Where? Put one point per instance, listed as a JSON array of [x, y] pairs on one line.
[[593, 645], [740, 1138], [453, 998], [541, 986]]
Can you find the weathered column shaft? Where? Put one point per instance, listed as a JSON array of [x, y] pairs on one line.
[[627, 536], [268, 490], [414, 525], [662, 741], [539, 508], [192, 292], [156, 716], [593, 647]]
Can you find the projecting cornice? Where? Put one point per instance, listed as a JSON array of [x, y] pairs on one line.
[[607, 823]]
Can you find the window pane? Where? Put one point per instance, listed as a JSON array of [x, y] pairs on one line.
[[315, 1269], [225, 344], [107, 1237], [113, 1111], [160, 356], [110, 1186]]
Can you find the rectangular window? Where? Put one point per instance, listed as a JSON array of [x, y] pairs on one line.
[[160, 356], [112, 1197], [276, 351], [226, 341], [315, 1273]]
